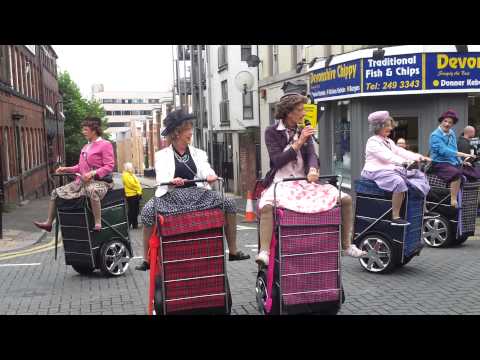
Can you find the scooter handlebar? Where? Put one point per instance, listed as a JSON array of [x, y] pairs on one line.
[[190, 181]]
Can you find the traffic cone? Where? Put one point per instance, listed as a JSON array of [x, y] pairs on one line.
[[249, 213]]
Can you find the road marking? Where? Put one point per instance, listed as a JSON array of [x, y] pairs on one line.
[[38, 249], [251, 245], [136, 257], [32, 264]]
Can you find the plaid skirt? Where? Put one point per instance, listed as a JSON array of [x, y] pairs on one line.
[[447, 172], [95, 190], [183, 200]]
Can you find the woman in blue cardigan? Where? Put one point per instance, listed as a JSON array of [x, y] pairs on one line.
[[446, 163]]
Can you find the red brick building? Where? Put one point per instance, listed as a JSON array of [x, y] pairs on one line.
[[31, 120]]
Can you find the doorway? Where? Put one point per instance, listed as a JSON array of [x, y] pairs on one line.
[[407, 128]]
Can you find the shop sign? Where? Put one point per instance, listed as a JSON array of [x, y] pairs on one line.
[[394, 75]]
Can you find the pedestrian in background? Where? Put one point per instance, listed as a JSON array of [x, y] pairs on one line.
[[133, 193], [401, 142], [463, 142]]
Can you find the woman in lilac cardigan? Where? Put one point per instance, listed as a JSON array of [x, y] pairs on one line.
[[96, 161], [384, 165]]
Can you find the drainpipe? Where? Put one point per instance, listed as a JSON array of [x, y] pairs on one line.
[[209, 118], [42, 101]]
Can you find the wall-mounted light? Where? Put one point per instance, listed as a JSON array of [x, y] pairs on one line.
[[378, 54], [299, 66], [328, 60], [313, 61], [462, 48]]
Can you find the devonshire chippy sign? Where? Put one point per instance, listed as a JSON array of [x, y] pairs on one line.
[[411, 73]]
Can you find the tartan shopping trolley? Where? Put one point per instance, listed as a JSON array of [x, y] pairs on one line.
[[304, 272], [188, 272]]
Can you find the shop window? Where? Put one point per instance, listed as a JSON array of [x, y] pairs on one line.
[[341, 143]]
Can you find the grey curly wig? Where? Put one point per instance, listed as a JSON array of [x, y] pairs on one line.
[[287, 104], [376, 127]]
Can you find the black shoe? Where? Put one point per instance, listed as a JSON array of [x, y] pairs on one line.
[[144, 266], [399, 222], [430, 215], [238, 256]]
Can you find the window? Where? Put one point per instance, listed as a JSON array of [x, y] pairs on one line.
[[154, 101], [5, 155], [224, 87], [118, 124], [246, 51], [4, 71], [224, 113], [222, 58], [247, 105], [117, 113]]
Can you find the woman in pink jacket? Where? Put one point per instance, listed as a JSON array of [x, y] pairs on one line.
[[95, 163], [383, 164]]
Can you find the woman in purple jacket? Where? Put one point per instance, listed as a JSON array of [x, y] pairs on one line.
[[96, 161], [292, 154]]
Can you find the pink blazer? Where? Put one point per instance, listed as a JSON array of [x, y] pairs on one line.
[[383, 154], [99, 156]]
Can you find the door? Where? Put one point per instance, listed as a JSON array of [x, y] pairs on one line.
[[407, 128]]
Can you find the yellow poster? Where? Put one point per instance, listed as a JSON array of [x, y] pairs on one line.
[[311, 114]]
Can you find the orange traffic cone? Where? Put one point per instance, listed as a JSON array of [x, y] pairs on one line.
[[249, 213]]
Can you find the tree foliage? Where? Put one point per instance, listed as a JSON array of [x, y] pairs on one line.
[[76, 109]]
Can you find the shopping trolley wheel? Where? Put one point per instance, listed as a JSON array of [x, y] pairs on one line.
[[261, 291], [261, 294], [382, 254], [158, 296], [460, 240], [436, 232], [83, 269], [114, 258]]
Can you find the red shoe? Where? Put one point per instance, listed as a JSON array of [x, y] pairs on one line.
[[43, 226]]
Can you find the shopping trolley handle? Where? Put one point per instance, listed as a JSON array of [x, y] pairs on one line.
[[66, 174]]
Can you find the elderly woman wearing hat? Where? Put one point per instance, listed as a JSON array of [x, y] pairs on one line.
[[445, 155], [179, 162], [383, 164], [292, 154]]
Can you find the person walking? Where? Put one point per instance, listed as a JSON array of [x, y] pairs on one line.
[[133, 194]]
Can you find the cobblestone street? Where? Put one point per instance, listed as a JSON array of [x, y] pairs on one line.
[[439, 281]]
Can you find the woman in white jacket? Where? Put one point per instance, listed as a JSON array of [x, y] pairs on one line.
[[179, 162]]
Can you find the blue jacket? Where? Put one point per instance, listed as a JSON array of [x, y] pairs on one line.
[[443, 147]]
